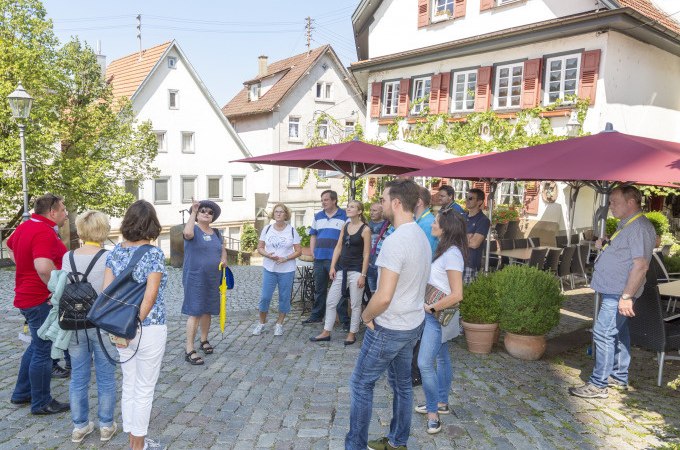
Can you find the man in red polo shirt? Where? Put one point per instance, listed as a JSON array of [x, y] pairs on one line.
[[36, 250]]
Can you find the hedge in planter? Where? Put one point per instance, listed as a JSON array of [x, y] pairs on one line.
[[480, 302], [530, 300]]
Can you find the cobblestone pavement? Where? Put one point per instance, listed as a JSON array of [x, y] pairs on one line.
[[286, 393]]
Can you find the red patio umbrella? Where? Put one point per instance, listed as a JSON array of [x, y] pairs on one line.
[[354, 159]]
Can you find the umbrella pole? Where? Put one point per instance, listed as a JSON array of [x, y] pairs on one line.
[[604, 189], [573, 195], [492, 194], [353, 182]]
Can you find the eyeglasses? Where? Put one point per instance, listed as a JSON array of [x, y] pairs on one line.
[[279, 212], [206, 211]]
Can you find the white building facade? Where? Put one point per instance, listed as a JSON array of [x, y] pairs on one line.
[[282, 109], [465, 56]]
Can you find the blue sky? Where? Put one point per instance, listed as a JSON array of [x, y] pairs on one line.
[[222, 39]]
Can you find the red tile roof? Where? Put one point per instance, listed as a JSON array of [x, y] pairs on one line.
[[294, 68], [127, 74], [647, 8]]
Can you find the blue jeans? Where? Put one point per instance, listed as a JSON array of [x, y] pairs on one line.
[[436, 381], [270, 280], [382, 349], [372, 277], [35, 371], [612, 343], [322, 268], [83, 348]]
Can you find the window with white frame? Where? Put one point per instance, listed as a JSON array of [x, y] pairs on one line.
[[462, 187], [508, 93], [391, 98], [294, 176], [322, 127], [173, 99], [511, 193], [298, 219], [420, 95], [324, 90], [161, 190], [562, 73], [238, 187], [350, 128], [464, 87], [234, 234], [132, 188], [214, 187], [293, 128], [188, 188], [160, 140], [254, 92], [187, 142], [442, 8]]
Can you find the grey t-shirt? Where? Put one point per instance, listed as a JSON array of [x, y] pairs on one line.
[[636, 240], [96, 276], [406, 252]]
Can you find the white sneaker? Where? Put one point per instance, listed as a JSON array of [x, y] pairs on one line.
[[258, 329], [278, 330], [106, 433], [79, 434]]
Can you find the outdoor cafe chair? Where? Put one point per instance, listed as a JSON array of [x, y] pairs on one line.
[[494, 261], [507, 244], [534, 242], [560, 241], [552, 260], [537, 258], [564, 267], [578, 263], [520, 243], [649, 329], [663, 276]]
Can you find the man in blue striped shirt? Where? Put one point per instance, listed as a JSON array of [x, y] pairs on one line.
[[324, 233]]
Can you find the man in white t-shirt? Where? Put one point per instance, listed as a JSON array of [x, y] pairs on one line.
[[394, 321]]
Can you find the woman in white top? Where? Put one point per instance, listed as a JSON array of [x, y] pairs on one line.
[[444, 290], [279, 245]]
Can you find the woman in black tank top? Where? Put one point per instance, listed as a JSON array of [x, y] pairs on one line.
[[348, 271]]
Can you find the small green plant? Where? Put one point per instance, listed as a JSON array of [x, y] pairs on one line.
[[612, 223], [249, 238], [304, 236], [480, 301], [660, 222], [505, 214], [672, 263], [530, 300]]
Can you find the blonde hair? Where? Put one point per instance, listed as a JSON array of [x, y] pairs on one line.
[[286, 211], [360, 207], [93, 226]]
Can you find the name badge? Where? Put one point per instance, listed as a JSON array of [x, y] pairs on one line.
[[207, 237]]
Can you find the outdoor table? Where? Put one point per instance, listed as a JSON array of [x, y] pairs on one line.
[[671, 289], [519, 254]]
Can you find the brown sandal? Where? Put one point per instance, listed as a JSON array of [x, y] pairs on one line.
[[206, 347], [197, 361]]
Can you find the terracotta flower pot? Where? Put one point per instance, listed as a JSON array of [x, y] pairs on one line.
[[480, 336], [528, 348]]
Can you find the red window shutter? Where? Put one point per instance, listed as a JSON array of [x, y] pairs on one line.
[[444, 92], [459, 8], [531, 87], [486, 4], [435, 84], [590, 66], [531, 197], [423, 13], [483, 93], [404, 86], [376, 94]]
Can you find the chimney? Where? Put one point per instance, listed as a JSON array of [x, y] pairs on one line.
[[101, 59], [261, 66]]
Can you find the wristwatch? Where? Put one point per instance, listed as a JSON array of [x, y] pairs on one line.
[[626, 296]]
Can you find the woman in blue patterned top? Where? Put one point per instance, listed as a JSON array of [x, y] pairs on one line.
[[140, 226]]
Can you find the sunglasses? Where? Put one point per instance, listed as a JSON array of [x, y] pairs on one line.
[[206, 211], [347, 240]]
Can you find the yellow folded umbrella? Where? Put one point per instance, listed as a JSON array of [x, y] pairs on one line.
[[223, 298]]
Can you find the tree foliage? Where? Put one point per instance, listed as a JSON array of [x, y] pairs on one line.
[[79, 143]]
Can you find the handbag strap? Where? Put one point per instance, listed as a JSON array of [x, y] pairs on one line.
[[106, 352]]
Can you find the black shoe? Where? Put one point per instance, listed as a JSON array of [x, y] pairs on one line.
[[311, 320], [60, 372], [320, 339], [21, 402], [53, 407]]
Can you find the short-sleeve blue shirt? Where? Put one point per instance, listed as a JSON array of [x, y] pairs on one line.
[[327, 232], [152, 261]]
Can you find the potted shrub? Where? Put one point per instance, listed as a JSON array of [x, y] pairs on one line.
[[530, 302], [660, 223], [480, 311], [304, 243], [502, 216]]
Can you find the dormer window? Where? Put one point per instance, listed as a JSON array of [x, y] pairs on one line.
[[324, 91], [254, 92], [172, 62]]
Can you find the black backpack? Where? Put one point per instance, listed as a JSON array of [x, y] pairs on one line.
[[78, 297]]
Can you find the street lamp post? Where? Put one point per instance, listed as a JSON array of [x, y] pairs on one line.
[[20, 103]]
